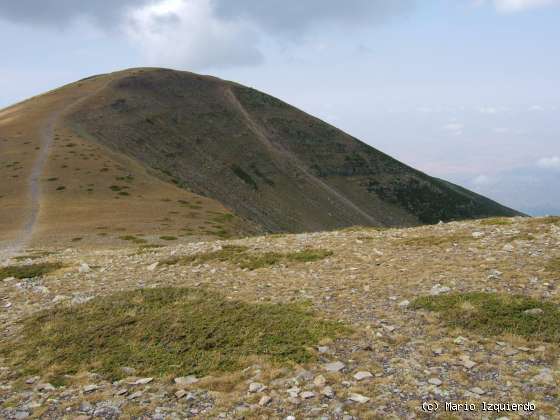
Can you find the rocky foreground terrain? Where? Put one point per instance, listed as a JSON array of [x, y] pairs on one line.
[[394, 357]]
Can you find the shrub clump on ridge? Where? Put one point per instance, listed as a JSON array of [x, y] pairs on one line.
[[162, 331], [28, 271], [241, 256], [495, 314]]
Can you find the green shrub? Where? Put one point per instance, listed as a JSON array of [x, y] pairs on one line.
[[495, 314], [28, 271], [164, 331]]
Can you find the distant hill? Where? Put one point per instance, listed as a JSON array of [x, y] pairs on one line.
[[126, 144]]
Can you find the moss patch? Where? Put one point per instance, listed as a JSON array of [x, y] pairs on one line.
[[28, 271], [162, 331], [241, 256], [494, 314]]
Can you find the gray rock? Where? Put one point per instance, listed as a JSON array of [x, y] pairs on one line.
[[328, 392], [45, 387], [186, 380], [180, 394], [435, 381], [305, 375], [359, 398], [404, 304], [255, 387], [360, 376], [85, 406], [306, 395], [84, 268], [320, 381], [135, 395], [294, 391], [128, 370], [533, 312], [544, 377], [439, 289], [334, 366], [32, 380], [265, 400], [478, 391], [90, 388], [143, 381]]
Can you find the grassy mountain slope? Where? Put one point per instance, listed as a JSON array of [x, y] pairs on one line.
[[143, 154], [268, 161], [62, 187]]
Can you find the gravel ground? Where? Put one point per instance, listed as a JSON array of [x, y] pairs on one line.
[[398, 362]]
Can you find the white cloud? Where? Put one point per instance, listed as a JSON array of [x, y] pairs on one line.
[[488, 110], [513, 6], [549, 163], [481, 180], [536, 108], [501, 130], [454, 128], [188, 34]]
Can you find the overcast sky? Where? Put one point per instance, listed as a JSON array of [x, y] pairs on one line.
[[466, 90]]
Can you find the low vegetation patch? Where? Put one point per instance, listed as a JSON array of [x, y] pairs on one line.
[[28, 271], [241, 256], [132, 238], [496, 221], [432, 240], [163, 331], [496, 314], [553, 265]]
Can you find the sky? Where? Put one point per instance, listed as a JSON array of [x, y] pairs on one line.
[[465, 90]]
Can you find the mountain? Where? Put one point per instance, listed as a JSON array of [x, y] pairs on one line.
[[159, 152]]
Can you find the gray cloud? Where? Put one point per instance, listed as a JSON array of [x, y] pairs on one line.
[[271, 15], [294, 17], [200, 34], [62, 12]]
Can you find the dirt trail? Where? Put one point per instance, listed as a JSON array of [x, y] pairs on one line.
[[46, 138], [258, 131]]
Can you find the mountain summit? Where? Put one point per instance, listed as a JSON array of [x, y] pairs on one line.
[[229, 157]]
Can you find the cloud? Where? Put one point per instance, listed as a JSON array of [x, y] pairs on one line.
[[176, 33], [549, 163], [501, 130], [488, 110], [205, 33], [454, 128], [514, 6], [62, 12], [481, 180], [295, 17]]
